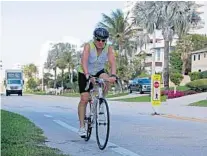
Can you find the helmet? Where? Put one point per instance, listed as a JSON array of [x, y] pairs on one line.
[[101, 33]]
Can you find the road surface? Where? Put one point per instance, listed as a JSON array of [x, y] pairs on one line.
[[132, 134]]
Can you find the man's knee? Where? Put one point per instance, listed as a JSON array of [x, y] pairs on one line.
[[84, 98]]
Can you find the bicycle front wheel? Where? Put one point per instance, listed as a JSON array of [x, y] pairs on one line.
[[102, 121]]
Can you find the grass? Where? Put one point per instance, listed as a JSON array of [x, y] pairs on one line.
[[20, 137], [110, 95], [116, 95], [146, 98], [36, 93], [202, 103], [71, 94]]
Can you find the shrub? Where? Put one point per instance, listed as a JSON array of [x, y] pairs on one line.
[[170, 94], [189, 92], [195, 76], [176, 78], [198, 85], [203, 74]]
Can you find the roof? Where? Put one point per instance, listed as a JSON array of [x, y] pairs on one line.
[[199, 51]]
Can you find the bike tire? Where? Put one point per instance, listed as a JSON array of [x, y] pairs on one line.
[[89, 128], [103, 146]]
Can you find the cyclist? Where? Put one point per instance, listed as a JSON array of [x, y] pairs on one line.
[[94, 58]]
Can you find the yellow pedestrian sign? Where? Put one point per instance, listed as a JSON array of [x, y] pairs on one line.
[[156, 91]]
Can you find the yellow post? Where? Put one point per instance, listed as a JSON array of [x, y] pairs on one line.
[[156, 92]]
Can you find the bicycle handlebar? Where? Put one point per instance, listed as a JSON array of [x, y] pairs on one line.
[[99, 81]]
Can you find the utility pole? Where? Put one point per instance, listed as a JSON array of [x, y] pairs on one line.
[[153, 53], [42, 78], [153, 69]]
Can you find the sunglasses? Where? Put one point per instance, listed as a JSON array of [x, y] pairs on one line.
[[98, 39]]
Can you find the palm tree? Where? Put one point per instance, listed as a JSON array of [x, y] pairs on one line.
[[53, 55], [184, 47], [69, 59], [166, 16], [30, 70], [119, 28], [61, 64]]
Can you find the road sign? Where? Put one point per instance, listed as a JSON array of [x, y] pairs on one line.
[[156, 84], [156, 92]]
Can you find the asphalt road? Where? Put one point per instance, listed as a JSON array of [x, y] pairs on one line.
[[131, 134]]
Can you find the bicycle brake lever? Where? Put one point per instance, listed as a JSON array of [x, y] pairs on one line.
[[87, 85]]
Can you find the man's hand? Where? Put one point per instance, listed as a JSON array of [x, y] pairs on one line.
[[89, 77], [92, 79], [112, 78]]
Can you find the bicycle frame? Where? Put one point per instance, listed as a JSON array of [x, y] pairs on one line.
[[97, 98], [99, 83]]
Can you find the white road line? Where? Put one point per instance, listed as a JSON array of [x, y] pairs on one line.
[[48, 116], [118, 149]]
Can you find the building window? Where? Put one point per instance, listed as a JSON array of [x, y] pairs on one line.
[[158, 54], [198, 56], [194, 57]]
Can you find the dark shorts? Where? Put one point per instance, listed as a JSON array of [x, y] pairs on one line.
[[82, 81]]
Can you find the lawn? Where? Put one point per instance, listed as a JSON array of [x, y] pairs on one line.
[[146, 98], [116, 95], [202, 103], [20, 137], [110, 95]]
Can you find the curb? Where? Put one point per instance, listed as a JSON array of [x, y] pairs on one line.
[[184, 118]]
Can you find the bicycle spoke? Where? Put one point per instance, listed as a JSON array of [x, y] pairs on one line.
[[88, 122]]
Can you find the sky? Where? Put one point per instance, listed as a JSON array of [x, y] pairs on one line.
[[28, 27]]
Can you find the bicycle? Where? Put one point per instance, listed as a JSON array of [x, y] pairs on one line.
[[96, 113]]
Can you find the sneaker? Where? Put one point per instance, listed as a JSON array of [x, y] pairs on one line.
[[82, 132]]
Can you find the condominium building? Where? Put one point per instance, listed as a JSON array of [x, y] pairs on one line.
[[159, 45]]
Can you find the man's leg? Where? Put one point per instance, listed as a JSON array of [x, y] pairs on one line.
[[82, 107], [83, 102]]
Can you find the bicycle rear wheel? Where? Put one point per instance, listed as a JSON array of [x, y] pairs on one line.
[[88, 123], [102, 119]]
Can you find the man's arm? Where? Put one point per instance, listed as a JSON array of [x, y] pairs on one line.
[[112, 60], [84, 59]]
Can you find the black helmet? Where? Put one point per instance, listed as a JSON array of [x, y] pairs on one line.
[[101, 33]]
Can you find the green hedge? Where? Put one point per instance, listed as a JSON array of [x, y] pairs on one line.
[[198, 85], [203, 74], [198, 75]]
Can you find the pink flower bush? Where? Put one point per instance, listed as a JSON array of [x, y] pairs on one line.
[[170, 94]]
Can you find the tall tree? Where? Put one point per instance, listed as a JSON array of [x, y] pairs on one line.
[[30, 70], [119, 28], [166, 16], [61, 64], [185, 47], [53, 55]]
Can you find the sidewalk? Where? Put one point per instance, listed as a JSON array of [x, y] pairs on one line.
[[172, 107]]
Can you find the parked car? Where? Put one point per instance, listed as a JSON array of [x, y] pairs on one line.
[[141, 85]]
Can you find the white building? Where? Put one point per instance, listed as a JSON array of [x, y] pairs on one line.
[[159, 50], [199, 60]]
